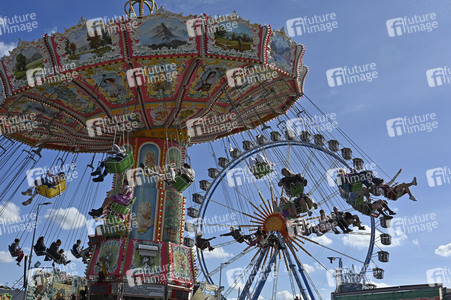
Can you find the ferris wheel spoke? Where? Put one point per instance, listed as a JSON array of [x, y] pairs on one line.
[[341, 253], [237, 280], [224, 244], [233, 259]]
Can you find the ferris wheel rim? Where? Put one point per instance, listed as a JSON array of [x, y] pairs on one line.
[[242, 157]]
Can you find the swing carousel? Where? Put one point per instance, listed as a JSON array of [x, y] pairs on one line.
[[154, 84]]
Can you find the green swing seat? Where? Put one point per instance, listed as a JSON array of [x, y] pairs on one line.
[[295, 189], [182, 182], [359, 205], [301, 210], [119, 167], [349, 187], [262, 169], [114, 224]]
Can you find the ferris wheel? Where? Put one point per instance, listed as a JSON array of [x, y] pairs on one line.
[[239, 196]]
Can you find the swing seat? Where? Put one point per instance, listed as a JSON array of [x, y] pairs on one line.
[[13, 254], [74, 254], [261, 169], [295, 189], [119, 167], [122, 209], [114, 220], [48, 192], [181, 182], [301, 210], [284, 209], [39, 253], [359, 205]]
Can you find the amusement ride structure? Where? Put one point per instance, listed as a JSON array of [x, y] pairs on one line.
[[158, 84]]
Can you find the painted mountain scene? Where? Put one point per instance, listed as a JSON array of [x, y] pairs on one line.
[[170, 33]]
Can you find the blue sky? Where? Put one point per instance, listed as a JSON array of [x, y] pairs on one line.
[[400, 89]]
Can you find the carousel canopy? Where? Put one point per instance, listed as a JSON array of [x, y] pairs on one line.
[[79, 90]]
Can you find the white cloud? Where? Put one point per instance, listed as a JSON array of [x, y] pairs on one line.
[[309, 268], [11, 213], [217, 253], [69, 218], [362, 240], [53, 30], [380, 284], [6, 47], [284, 295], [443, 250], [5, 257], [323, 240]]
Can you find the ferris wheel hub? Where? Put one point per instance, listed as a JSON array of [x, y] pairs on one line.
[[275, 222]]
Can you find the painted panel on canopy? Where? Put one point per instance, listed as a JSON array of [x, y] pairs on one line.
[[27, 56], [241, 41], [162, 33], [207, 80], [109, 254], [77, 46], [42, 111], [282, 52], [131, 114], [111, 83], [164, 82], [159, 112], [187, 111], [146, 195], [181, 263], [69, 96]]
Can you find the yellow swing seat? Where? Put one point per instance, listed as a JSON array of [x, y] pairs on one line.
[[48, 192]]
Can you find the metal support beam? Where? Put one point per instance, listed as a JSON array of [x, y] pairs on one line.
[[263, 278], [304, 278], [295, 274], [251, 278]]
